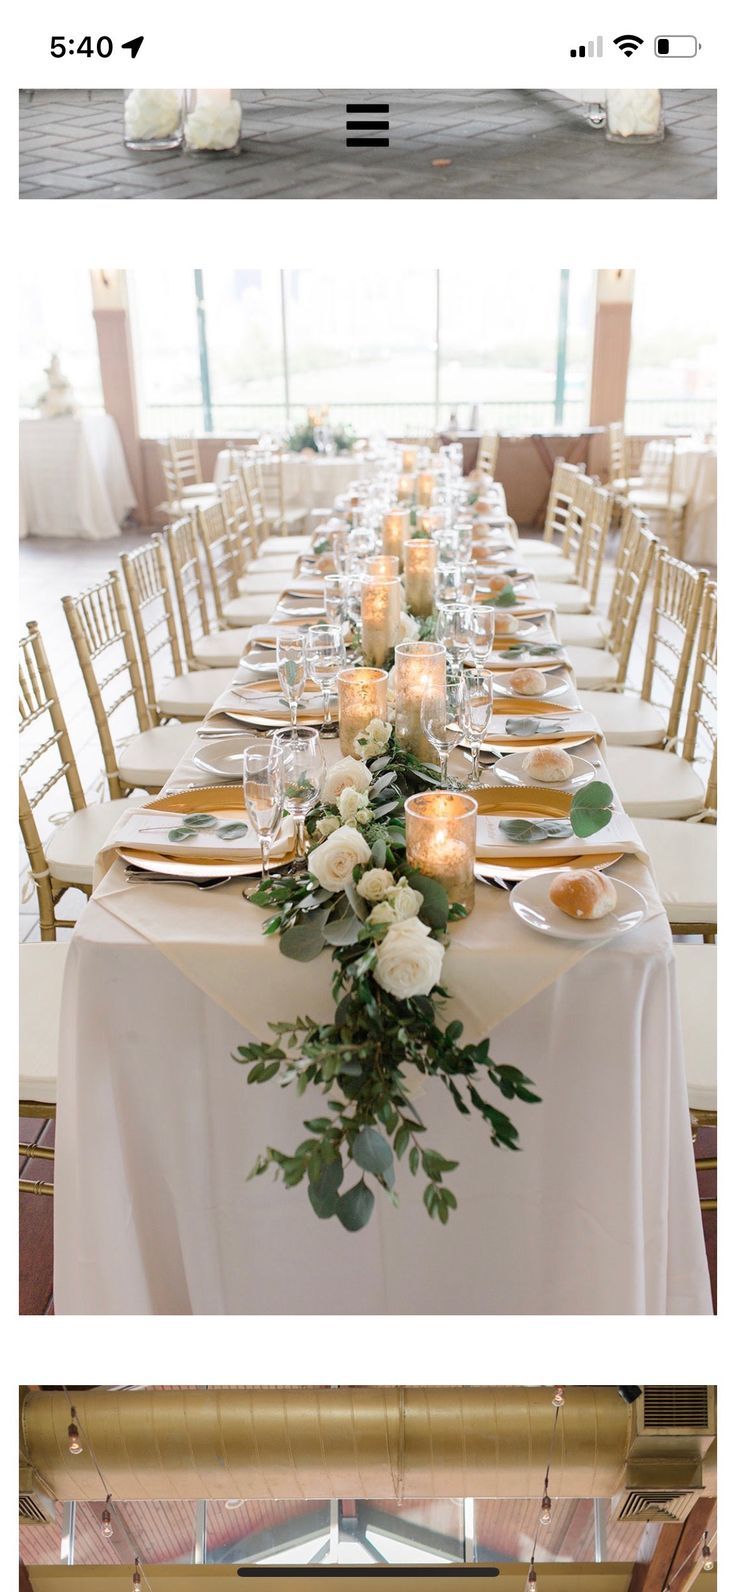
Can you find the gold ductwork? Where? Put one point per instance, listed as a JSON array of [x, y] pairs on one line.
[[319, 1443]]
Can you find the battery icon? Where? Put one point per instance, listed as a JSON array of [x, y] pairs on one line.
[[677, 45]]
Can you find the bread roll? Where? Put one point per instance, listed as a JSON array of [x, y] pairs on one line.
[[550, 763], [583, 893], [527, 682], [506, 624], [497, 583], [482, 508]]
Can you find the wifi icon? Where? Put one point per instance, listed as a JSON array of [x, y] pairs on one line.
[[628, 43]]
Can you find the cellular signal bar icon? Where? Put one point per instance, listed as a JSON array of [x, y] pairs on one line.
[[590, 48]]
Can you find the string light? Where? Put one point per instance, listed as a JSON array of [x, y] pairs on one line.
[[559, 1397], [708, 1560], [545, 1513], [75, 1447], [531, 1580], [545, 1508], [136, 1576], [106, 1519]]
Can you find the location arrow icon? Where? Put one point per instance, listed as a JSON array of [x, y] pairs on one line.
[[133, 45]]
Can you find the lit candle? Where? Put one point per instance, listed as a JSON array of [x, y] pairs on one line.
[[440, 841], [380, 618], [409, 460], [420, 673], [405, 488], [426, 482], [385, 566], [361, 696], [420, 563], [396, 528]]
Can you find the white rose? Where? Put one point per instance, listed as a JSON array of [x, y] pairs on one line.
[[327, 825], [332, 863], [408, 628], [348, 772], [408, 961], [375, 884], [405, 902], [382, 913], [350, 803], [372, 740], [214, 126]]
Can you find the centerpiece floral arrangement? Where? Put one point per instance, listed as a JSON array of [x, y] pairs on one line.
[[386, 929], [303, 438]]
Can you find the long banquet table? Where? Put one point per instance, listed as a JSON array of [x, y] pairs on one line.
[[157, 1128]]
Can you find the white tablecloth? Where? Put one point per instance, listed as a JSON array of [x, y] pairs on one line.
[[696, 473], [157, 1130], [311, 480], [74, 480]]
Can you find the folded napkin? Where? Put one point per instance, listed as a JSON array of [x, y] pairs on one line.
[[267, 635], [523, 660], [267, 703], [619, 835], [150, 829], [576, 726], [305, 586]]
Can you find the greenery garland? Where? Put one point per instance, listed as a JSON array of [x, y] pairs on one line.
[[385, 926]]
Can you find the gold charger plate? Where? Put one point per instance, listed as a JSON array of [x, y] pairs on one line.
[[226, 799], [261, 688], [525, 801]]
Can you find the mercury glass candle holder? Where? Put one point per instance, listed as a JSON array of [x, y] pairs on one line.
[[440, 841], [405, 487], [420, 673], [380, 619], [426, 483], [420, 564], [409, 461], [362, 695], [385, 566], [152, 118], [396, 528]]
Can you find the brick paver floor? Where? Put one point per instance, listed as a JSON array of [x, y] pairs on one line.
[[502, 144]]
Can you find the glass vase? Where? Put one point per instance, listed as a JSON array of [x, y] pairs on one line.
[[153, 118]]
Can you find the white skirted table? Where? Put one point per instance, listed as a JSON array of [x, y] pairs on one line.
[[157, 1127], [311, 480], [695, 474], [74, 480]]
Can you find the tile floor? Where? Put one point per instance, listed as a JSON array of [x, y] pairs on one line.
[[499, 143]]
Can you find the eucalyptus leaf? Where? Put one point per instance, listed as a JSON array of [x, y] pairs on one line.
[[372, 1152], [525, 728], [436, 905], [355, 1208], [199, 821], [323, 1190], [531, 649], [304, 941], [504, 599], [342, 931], [181, 834], [591, 808], [232, 831], [522, 831]]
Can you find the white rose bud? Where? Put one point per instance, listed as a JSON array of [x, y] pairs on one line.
[[327, 825], [375, 884], [350, 802], [408, 960], [383, 912], [407, 903], [347, 773], [332, 863]]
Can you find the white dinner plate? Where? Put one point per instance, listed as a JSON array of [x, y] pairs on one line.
[[552, 688], [530, 901], [223, 758], [511, 770]]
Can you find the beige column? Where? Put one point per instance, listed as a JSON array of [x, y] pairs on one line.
[[117, 371], [611, 346]]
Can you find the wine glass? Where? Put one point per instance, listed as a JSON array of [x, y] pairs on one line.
[[264, 795], [482, 633], [334, 588], [449, 630], [303, 770], [291, 662], [325, 658], [476, 711], [440, 716]]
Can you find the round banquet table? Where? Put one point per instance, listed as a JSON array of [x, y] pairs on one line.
[[74, 480], [311, 480], [696, 471]]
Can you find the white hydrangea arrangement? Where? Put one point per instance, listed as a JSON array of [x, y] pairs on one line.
[[152, 113]]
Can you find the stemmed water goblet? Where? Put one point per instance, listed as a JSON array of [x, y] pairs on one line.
[[476, 712], [481, 634], [302, 766], [440, 718], [325, 658], [263, 794], [334, 589], [291, 662]]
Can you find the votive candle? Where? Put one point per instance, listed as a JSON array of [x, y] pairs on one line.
[[362, 695], [396, 528], [409, 460], [420, 563], [380, 618], [426, 482], [405, 487], [420, 674], [440, 841], [385, 566]]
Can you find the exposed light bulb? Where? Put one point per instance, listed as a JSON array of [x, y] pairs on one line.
[[75, 1446], [559, 1397], [545, 1513], [531, 1580], [136, 1577], [106, 1523], [708, 1560]]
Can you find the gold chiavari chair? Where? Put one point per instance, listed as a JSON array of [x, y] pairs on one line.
[[184, 455], [233, 608], [657, 497], [636, 718], [145, 754], [595, 629], [667, 784], [175, 694], [285, 519], [206, 645], [550, 544], [600, 514], [184, 491], [606, 669], [41, 970], [487, 457], [263, 483], [64, 860], [621, 477], [251, 579], [570, 596]]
